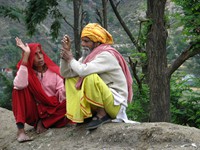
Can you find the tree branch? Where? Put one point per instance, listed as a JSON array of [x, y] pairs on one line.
[[133, 68], [190, 51], [124, 26], [67, 22], [100, 20]]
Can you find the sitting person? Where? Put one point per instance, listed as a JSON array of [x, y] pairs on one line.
[[99, 85], [38, 97]]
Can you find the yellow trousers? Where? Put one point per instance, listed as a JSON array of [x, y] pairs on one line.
[[93, 93]]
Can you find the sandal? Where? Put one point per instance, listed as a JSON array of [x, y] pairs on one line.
[[96, 122]]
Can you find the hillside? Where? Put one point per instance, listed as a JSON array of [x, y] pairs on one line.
[[9, 55], [118, 136]]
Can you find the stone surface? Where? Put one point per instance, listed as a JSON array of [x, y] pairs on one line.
[[118, 136]]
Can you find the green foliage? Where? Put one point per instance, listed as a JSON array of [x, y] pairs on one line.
[[11, 12], [139, 57], [190, 17], [38, 10], [11, 53], [142, 38], [185, 103], [139, 109], [184, 25], [55, 27], [6, 91], [194, 65]]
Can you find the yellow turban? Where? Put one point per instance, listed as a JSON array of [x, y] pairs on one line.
[[97, 33]]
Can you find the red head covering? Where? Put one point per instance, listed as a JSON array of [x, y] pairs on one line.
[[50, 64]]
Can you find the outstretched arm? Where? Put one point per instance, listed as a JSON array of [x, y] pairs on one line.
[[21, 79], [25, 48]]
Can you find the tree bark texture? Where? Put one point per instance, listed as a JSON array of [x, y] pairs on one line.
[[104, 7], [159, 81], [76, 5]]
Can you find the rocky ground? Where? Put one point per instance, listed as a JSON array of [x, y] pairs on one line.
[[117, 136]]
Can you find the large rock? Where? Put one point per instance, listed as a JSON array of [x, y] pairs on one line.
[[151, 136]]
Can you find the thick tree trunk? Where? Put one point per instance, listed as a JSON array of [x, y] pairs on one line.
[[159, 81]]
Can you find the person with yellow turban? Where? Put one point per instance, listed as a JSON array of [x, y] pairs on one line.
[[99, 84]]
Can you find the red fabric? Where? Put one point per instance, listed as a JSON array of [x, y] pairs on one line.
[[32, 103], [122, 62]]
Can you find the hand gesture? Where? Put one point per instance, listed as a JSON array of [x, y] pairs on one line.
[[66, 55], [21, 45], [66, 43]]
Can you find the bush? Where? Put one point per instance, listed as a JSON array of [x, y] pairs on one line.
[[185, 103], [6, 92], [138, 110]]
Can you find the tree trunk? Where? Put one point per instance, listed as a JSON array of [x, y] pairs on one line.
[[77, 4], [104, 6], [159, 81]]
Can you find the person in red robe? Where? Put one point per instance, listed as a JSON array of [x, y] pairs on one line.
[[38, 97]]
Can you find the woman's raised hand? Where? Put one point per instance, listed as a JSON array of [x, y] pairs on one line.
[[21, 45]]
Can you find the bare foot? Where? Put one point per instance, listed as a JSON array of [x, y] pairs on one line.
[[22, 137], [40, 128]]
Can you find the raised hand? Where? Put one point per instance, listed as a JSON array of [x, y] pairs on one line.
[[66, 55], [21, 45], [65, 52], [66, 43]]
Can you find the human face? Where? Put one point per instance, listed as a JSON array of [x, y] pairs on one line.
[[38, 58], [87, 46], [86, 42]]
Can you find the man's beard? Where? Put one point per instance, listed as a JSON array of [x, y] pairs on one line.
[[85, 52]]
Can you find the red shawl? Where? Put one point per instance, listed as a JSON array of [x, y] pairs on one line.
[[122, 62]]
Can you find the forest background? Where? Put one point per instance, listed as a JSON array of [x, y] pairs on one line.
[[184, 83]]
